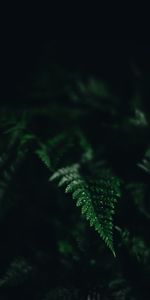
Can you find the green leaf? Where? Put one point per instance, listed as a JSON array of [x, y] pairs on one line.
[[97, 199]]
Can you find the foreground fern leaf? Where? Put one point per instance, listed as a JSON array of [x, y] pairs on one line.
[[97, 199]]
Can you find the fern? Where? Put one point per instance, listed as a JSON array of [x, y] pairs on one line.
[[43, 155], [58, 150], [50, 153], [18, 272], [94, 94], [61, 293], [97, 199], [11, 159], [85, 146]]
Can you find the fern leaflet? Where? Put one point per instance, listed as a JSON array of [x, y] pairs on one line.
[[97, 198]]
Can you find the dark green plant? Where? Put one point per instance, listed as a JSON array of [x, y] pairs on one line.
[[97, 195], [96, 148]]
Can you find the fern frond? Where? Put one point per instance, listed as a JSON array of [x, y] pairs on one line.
[[53, 151], [85, 147], [57, 151], [94, 94], [44, 156], [97, 199], [18, 271], [61, 293], [10, 162]]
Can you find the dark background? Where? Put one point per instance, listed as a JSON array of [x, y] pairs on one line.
[[111, 59]]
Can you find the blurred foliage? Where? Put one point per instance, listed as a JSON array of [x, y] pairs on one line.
[[93, 136]]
